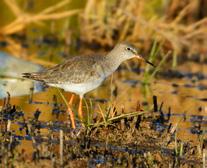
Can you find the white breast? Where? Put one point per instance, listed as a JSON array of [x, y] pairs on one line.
[[80, 88]]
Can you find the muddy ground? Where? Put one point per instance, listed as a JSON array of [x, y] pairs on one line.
[[142, 139]]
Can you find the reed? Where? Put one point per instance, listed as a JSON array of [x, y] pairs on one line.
[[103, 20], [109, 22]]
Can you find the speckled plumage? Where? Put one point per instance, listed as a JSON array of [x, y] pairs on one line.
[[81, 74], [75, 70]]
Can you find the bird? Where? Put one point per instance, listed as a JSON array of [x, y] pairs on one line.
[[82, 74]]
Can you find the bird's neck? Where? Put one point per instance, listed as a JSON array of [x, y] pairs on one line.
[[113, 61]]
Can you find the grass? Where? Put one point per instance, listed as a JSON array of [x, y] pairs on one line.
[[90, 113], [106, 116], [154, 54], [142, 22], [152, 57], [149, 73], [63, 97], [109, 120], [23, 19], [102, 21], [137, 24], [174, 60], [114, 135]]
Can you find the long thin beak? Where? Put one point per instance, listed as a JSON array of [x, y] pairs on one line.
[[141, 58], [150, 63]]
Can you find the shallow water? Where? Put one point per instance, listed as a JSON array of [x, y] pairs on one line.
[[183, 94]]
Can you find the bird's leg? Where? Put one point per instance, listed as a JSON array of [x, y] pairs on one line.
[[72, 119], [80, 108]]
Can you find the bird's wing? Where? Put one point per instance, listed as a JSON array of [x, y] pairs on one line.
[[75, 70]]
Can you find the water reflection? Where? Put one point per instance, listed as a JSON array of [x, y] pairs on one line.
[[180, 101]]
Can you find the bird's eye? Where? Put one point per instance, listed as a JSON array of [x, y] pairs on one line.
[[128, 48]]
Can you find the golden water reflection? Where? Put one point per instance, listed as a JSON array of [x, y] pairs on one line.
[[181, 99]]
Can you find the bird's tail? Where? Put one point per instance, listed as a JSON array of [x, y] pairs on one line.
[[34, 76]]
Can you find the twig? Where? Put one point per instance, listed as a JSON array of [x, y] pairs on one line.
[[61, 147]]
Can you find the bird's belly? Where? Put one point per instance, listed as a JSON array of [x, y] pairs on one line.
[[78, 88]]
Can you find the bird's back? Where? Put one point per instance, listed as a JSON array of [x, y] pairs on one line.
[[79, 69]]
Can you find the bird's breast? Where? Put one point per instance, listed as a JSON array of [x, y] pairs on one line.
[[79, 88]]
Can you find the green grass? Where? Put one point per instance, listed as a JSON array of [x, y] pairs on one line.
[[174, 60], [150, 72]]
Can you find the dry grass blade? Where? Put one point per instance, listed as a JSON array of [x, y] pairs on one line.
[[89, 6], [196, 24], [13, 27], [12, 4], [21, 22], [61, 147], [197, 32], [182, 14], [135, 25], [14, 48], [102, 114], [24, 19], [55, 7], [119, 117], [55, 15], [126, 115], [175, 33]]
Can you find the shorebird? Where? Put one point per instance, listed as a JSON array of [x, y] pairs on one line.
[[82, 74]]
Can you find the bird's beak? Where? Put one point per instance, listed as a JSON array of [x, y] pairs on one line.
[[141, 58]]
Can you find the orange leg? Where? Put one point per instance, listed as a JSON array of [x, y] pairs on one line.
[[71, 112], [80, 108]]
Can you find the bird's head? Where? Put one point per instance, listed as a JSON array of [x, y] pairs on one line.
[[127, 51]]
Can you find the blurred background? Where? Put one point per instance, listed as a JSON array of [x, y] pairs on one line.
[[36, 34], [172, 34], [46, 31]]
